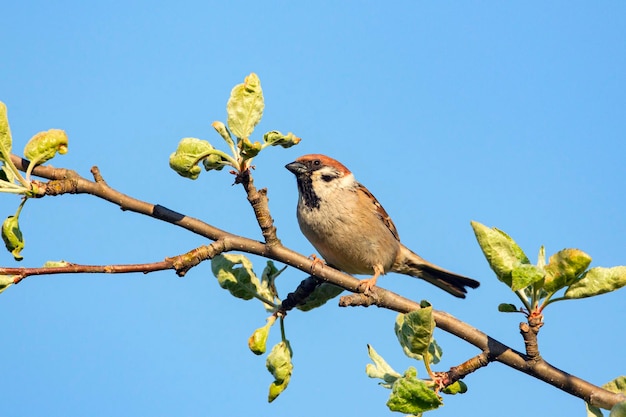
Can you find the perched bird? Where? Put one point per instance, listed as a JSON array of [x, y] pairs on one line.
[[353, 232]]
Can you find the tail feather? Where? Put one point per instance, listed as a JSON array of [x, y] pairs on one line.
[[450, 282]]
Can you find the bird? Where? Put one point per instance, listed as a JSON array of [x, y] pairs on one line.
[[352, 231]]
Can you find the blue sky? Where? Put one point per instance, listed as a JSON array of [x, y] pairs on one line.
[[510, 114]]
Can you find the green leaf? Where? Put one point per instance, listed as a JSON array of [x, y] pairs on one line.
[[524, 275], [224, 133], [258, 341], [187, 156], [5, 282], [44, 146], [380, 369], [617, 385], [322, 293], [593, 411], [435, 352], [279, 364], [12, 237], [55, 264], [507, 308], [459, 387], [6, 174], [190, 152], [541, 258], [502, 253], [275, 138], [245, 107], [214, 162], [248, 149], [267, 289], [564, 267], [412, 396], [415, 330], [597, 281], [5, 133], [234, 273]]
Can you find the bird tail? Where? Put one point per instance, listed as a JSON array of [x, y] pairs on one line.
[[450, 282]]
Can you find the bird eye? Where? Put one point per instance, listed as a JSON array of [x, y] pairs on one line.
[[316, 162]]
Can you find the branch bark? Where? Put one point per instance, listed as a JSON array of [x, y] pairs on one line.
[[67, 181]]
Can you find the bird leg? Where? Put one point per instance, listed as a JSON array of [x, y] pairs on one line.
[[366, 285]]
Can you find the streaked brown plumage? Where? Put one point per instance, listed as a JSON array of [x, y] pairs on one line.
[[353, 232]]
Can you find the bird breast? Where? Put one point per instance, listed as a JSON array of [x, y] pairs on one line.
[[350, 239]]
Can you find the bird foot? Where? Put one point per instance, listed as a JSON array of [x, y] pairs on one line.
[[316, 262], [366, 285]]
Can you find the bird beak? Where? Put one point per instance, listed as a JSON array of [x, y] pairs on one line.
[[296, 168]]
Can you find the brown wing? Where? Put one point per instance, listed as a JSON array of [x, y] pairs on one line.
[[384, 217]]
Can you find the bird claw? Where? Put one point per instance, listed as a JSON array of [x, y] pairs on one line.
[[316, 261], [366, 285]]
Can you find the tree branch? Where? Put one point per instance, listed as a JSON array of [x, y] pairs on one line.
[[259, 202], [180, 263], [67, 181]]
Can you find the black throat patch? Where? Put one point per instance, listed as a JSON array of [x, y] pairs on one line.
[[305, 186]]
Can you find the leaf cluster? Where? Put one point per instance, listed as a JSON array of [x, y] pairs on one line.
[[410, 394], [537, 284], [244, 112], [42, 147]]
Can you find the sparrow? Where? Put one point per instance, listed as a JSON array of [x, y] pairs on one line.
[[352, 231]]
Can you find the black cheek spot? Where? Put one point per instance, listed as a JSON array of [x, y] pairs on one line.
[[328, 178]]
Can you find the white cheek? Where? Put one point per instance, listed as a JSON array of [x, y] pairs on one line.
[[325, 190]]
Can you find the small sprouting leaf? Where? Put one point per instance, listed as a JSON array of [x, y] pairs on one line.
[[267, 289], [502, 253], [507, 308], [245, 107], [5, 133], [322, 293], [413, 396], [44, 146], [380, 369], [435, 352], [5, 173], [234, 273], [279, 364], [593, 411], [564, 267], [12, 236], [275, 138], [56, 264], [258, 341], [459, 387], [597, 281], [214, 161], [224, 133], [541, 258], [415, 330], [524, 275], [248, 149], [5, 282], [187, 156]]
